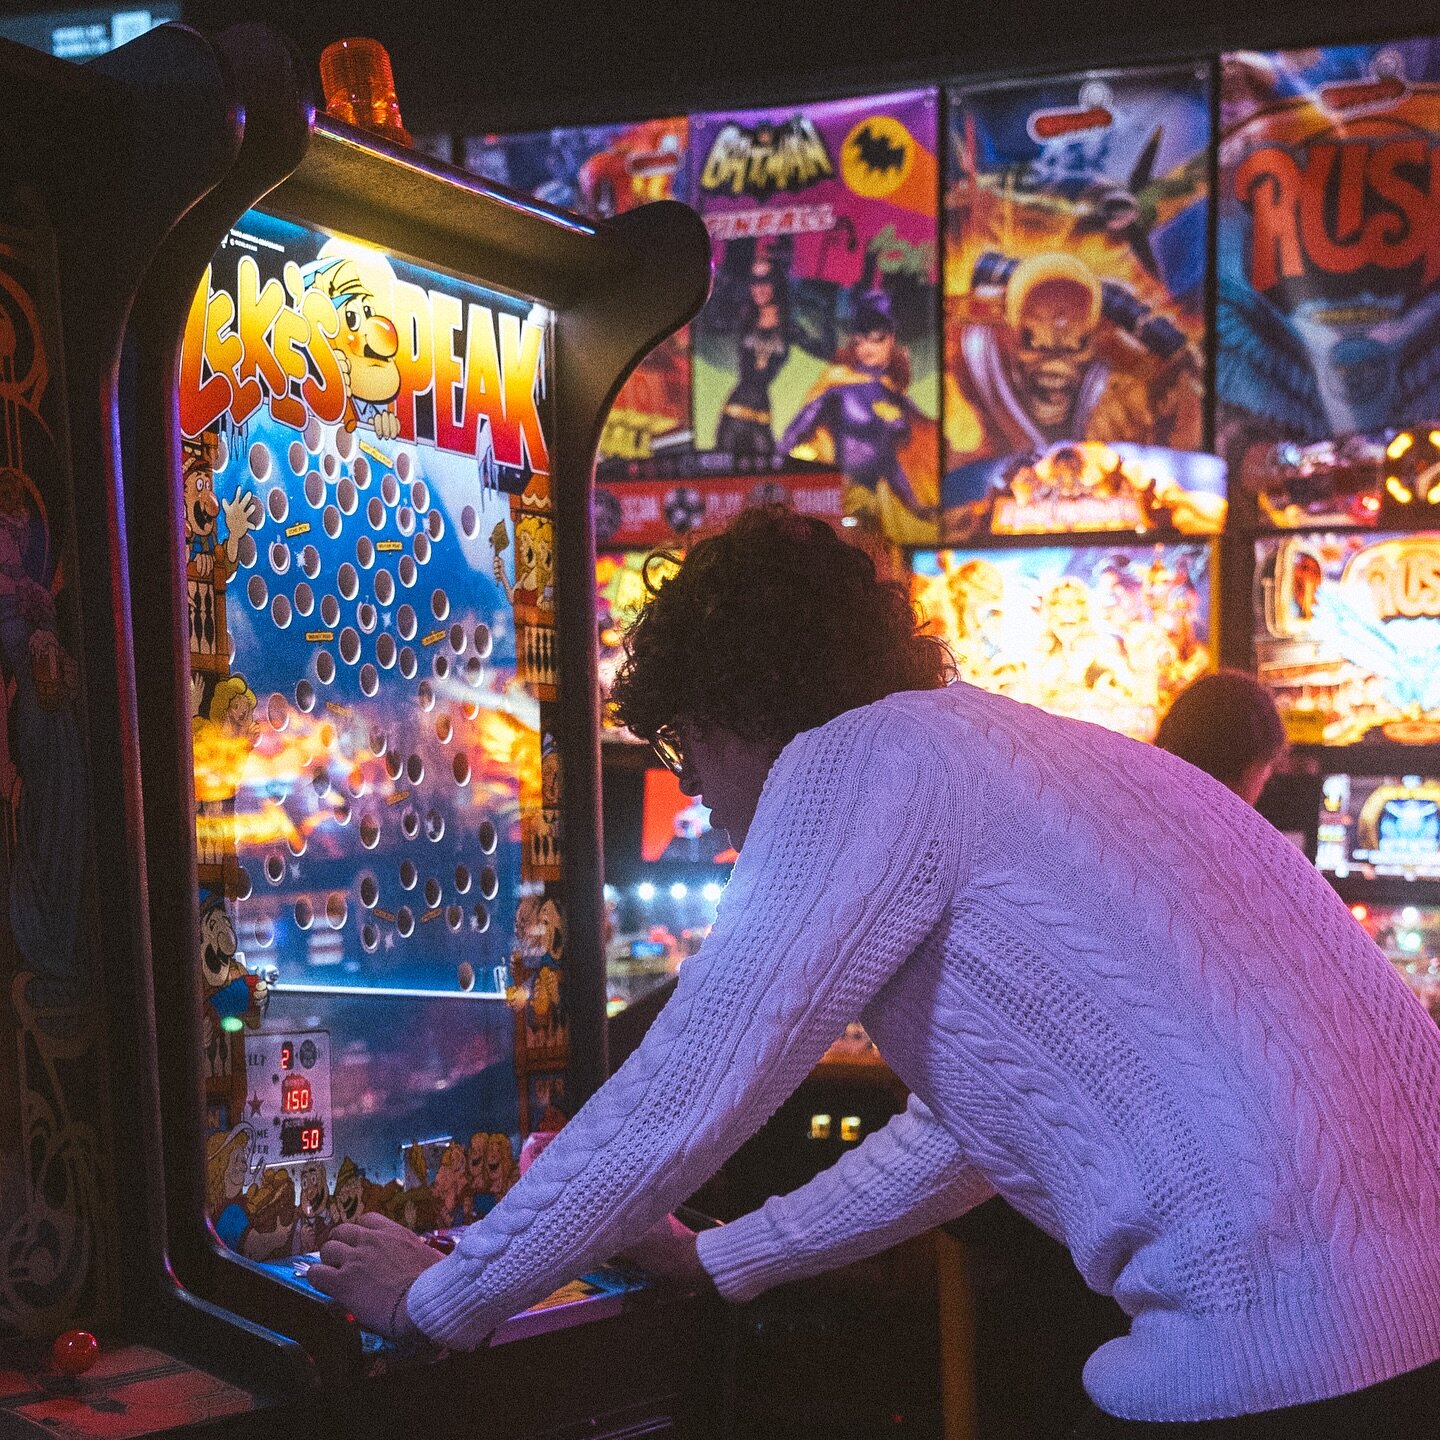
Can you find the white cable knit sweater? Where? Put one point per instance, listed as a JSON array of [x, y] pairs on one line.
[[1121, 999]]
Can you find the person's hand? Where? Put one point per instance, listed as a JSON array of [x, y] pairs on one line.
[[667, 1251], [369, 1266]]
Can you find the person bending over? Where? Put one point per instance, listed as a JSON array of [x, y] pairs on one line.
[[1226, 724], [1219, 1095]]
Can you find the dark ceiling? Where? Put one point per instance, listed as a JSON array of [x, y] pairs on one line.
[[537, 62]]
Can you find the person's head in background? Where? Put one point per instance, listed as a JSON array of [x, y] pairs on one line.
[[771, 628], [1226, 724]]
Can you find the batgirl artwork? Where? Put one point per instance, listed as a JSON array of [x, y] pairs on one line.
[[818, 342]]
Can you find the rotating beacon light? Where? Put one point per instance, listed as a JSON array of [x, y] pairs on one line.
[[359, 87]]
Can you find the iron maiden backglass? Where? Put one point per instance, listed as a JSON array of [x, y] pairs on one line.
[[369, 566]]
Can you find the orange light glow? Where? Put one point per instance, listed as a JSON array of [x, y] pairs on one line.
[[359, 87]]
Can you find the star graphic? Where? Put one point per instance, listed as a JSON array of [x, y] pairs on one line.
[[255, 1104]]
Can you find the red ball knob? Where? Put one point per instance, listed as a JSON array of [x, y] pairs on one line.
[[74, 1352]]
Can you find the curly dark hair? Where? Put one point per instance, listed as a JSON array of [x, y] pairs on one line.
[[1223, 724], [771, 628]]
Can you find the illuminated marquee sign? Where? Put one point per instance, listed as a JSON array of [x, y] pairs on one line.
[[344, 338]]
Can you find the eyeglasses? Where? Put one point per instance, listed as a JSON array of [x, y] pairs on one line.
[[666, 744]]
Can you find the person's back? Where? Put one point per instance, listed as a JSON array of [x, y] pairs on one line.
[[1205, 1079]]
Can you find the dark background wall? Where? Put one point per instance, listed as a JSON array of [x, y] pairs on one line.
[[531, 63]]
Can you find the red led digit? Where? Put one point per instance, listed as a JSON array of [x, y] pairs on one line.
[[287, 1056]]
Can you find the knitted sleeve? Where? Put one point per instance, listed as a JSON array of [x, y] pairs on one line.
[[900, 1181], [848, 865]]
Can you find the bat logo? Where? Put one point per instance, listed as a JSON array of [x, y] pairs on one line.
[[877, 157], [878, 153]]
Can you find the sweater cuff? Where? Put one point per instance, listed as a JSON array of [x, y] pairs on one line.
[[436, 1305], [746, 1257]]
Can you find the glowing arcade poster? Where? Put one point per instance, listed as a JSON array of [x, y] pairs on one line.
[[369, 566], [1328, 302], [1075, 227], [1347, 634], [818, 342], [602, 170], [1109, 634]]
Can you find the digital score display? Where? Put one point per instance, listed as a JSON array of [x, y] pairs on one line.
[[288, 1095], [1379, 827]]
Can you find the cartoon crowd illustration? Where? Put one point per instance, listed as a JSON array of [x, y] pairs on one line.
[[291, 1210]]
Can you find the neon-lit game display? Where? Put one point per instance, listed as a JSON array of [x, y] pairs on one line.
[[1347, 631], [370, 577], [1108, 633], [1379, 827]]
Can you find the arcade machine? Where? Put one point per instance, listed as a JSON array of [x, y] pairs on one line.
[[361, 892], [1339, 471], [97, 164], [367, 731], [1345, 637]]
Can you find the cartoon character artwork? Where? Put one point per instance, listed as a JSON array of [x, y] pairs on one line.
[[234, 998], [1076, 214], [604, 170], [451, 1187], [1105, 634], [360, 284], [492, 1171], [860, 418], [819, 340], [224, 732], [1328, 286], [211, 559], [532, 592]]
